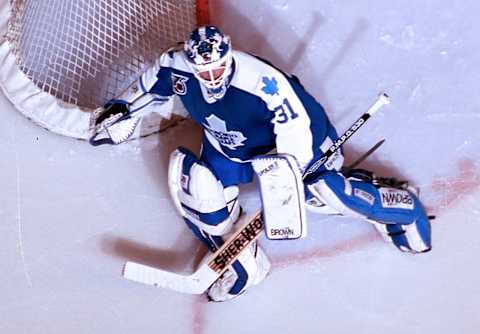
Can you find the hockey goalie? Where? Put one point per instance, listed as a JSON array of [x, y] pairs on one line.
[[249, 109]]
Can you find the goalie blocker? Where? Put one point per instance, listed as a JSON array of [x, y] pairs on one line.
[[283, 197]]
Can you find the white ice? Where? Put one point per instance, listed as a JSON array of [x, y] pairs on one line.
[[71, 214]]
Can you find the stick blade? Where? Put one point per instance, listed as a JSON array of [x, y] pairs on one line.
[[196, 283]]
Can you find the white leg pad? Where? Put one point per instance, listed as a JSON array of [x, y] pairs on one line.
[[325, 194], [381, 229], [256, 265], [412, 235], [414, 238], [199, 196]]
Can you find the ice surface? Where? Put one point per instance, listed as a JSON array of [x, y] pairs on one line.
[[71, 214]]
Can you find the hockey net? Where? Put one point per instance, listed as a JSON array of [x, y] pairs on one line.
[[60, 59]]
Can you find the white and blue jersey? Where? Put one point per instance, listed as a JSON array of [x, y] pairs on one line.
[[262, 110]]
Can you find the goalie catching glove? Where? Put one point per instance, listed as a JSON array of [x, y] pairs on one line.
[[112, 124]]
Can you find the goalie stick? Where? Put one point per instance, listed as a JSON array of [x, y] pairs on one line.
[[382, 100], [217, 263], [214, 266], [363, 156]]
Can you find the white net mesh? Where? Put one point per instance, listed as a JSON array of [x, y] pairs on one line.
[[85, 52]]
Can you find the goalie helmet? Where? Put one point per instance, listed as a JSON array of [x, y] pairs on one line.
[[209, 55]]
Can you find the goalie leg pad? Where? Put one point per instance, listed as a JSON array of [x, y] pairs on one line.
[[384, 204], [412, 238], [199, 197], [250, 269]]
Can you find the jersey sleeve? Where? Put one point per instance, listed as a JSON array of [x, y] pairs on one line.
[[152, 89], [291, 122], [159, 80]]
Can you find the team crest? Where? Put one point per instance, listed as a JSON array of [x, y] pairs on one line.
[[271, 86], [218, 129], [179, 84]]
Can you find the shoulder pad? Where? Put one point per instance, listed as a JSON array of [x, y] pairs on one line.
[[178, 47]]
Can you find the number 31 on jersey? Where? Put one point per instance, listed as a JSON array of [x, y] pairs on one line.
[[284, 113]]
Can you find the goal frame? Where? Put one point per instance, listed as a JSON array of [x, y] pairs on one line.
[[58, 116]]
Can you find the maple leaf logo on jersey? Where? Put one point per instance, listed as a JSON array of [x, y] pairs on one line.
[[218, 129], [271, 86]]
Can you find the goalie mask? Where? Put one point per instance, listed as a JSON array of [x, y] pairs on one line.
[[209, 55]]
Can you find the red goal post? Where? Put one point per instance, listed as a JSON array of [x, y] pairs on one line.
[[60, 59]]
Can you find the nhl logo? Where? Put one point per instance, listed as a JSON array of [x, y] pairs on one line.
[[179, 84]]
